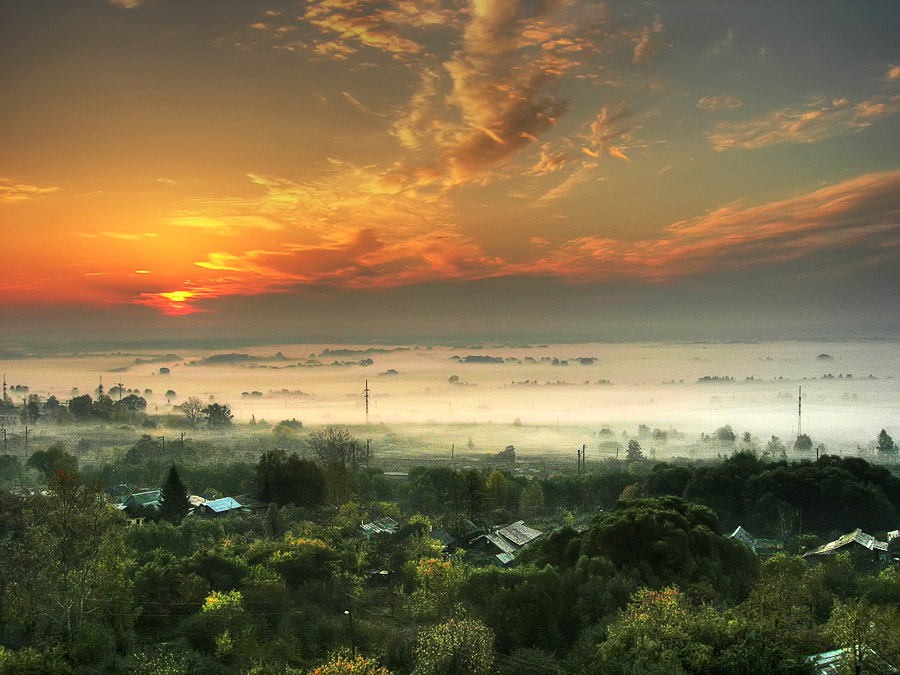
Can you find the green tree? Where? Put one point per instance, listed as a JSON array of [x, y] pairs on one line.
[[457, 647], [335, 446], [218, 416], [174, 504], [634, 452], [870, 636], [81, 406], [803, 443], [53, 459], [31, 409], [192, 409], [660, 633], [886, 444], [775, 449], [69, 563], [725, 435]]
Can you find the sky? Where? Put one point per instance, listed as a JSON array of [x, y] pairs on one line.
[[359, 170]]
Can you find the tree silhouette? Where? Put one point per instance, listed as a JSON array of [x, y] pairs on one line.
[[174, 504], [886, 443], [634, 452]]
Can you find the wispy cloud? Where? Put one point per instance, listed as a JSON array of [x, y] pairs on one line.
[[12, 191], [126, 4], [808, 123], [721, 102], [863, 213]]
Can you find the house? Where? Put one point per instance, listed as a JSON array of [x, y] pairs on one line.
[[217, 508], [140, 503], [863, 547], [761, 547], [251, 504], [386, 525], [830, 663], [506, 542]]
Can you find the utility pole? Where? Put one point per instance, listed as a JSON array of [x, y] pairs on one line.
[[366, 393], [799, 410], [163, 441], [368, 443], [4, 441], [584, 459], [452, 450], [578, 471], [26, 442], [119, 385], [4, 388]]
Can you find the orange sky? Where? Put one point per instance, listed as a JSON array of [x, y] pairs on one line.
[[161, 159]]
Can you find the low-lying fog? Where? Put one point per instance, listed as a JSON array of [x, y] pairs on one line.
[[850, 389]]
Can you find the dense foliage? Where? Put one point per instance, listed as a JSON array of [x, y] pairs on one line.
[[635, 571]]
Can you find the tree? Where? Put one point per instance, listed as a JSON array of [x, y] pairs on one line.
[[192, 409], [69, 562], [457, 647], [53, 459], [31, 409], [81, 406], [344, 666], [886, 444], [869, 635], [659, 633], [218, 416], [803, 443], [170, 394], [634, 453], [335, 446], [174, 504], [725, 435], [775, 449]]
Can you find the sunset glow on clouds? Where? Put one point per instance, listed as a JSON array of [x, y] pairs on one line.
[[339, 147]]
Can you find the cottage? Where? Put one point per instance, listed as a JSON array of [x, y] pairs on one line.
[[831, 663], [506, 542], [863, 547], [218, 508], [761, 547], [140, 504], [386, 525]]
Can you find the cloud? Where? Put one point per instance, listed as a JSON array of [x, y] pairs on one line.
[[356, 23], [611, 133], [11, 191], [721, 47], [721, 102], [862, 214], [648, 44], [549, 162], [359, 106], [126, 4], [893, 73], [808, 123]]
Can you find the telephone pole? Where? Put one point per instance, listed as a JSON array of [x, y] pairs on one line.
[[799, 410], [366, 393]]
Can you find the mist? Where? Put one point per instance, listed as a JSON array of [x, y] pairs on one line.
[[540, 398]]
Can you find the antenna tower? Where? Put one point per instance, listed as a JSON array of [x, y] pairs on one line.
[[799, 410], [366, 393]]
